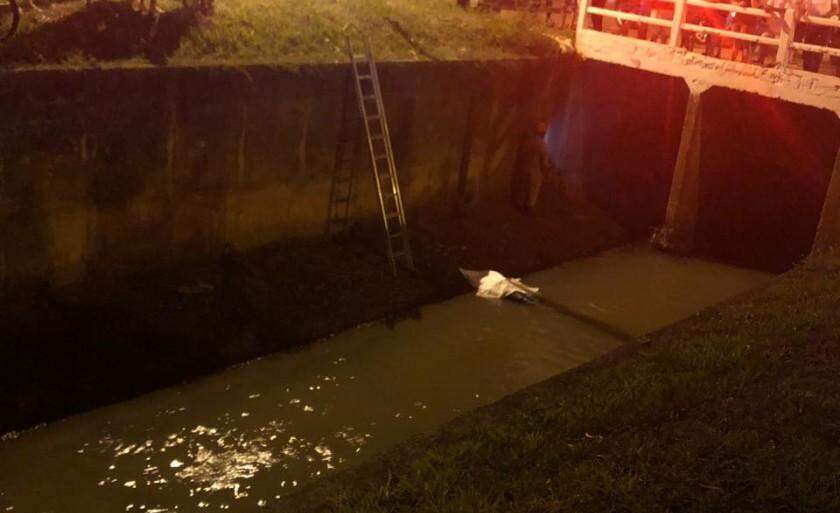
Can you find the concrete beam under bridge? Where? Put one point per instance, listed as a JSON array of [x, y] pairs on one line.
[[792, 85], [677, 234]]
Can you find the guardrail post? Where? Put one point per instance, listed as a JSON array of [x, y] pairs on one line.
[[788, 31], [677, 23], [581, 21]]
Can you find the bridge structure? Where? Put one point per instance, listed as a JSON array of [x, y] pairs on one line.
[[688, 47]]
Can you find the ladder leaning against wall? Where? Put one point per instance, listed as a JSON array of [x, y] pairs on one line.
[[372, 109]]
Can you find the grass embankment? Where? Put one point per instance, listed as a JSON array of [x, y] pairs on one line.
[[287, 31], [737, 409]]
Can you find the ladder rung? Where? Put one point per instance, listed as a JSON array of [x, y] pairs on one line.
[[343, 199], [365, 77], [395, 235], [378, 137], [380, 156], [368, 97], [372, 117], [395, 215]]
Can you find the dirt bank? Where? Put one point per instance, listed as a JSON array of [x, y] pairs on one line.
[[113, 338]]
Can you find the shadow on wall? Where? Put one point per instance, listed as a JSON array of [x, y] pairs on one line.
[[764, 172], [617, 138], [104, 31]]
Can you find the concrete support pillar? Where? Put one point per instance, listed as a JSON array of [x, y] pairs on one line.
[[681, 215], [827, 238]]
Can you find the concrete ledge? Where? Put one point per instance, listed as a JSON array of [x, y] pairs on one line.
[[699, 71]]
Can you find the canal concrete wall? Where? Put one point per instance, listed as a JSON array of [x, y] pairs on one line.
[[616, 140], [114, 170], [765, 167]]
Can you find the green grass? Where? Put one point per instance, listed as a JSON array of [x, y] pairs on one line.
[[287, 31], [737, 409], [398, 29]]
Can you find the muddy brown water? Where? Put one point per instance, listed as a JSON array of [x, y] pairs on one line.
[[237, 439]]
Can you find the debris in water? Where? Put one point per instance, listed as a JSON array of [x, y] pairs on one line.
[[493, 285]]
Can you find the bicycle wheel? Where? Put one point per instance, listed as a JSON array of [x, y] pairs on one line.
[[9, 18]]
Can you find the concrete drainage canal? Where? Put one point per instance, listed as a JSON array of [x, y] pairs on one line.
[[241, 438]]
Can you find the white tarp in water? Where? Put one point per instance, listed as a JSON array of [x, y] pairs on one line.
[[494, 285]]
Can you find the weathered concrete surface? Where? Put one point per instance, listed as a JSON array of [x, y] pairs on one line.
[[727, 199], [122, 169], [796, 86], [616, 140], [765, 167], [827, 239], [750, 180]]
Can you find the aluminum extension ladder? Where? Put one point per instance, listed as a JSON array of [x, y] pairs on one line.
[[372, 110]]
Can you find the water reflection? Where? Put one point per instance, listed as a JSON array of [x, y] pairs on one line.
[[216, 461], [241, 438]]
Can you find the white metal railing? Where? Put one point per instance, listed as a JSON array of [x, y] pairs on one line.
[[786, 20]]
